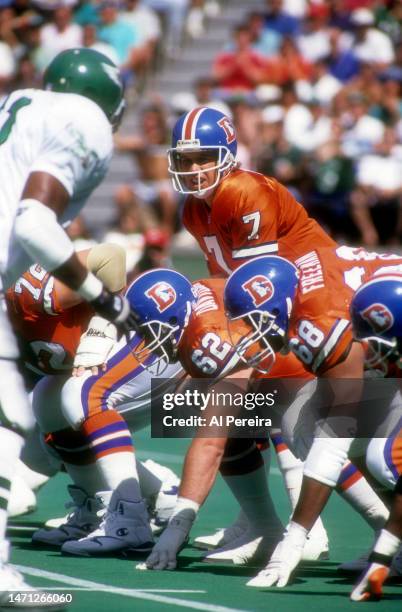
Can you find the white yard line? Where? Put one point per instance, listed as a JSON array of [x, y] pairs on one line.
[[70, 581]]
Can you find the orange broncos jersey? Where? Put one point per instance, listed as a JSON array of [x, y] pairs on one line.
[[251, 215], [320, 332], [206, 349], [48, 335]]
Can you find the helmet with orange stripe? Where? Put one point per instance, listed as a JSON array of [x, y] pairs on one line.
[[203, 139]]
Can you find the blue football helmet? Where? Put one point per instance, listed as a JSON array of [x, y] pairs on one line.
[[261, 292], [207, 130], [376, 312], [162, 300]]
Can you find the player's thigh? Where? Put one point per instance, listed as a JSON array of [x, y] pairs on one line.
[[46, 402], [299, 421]]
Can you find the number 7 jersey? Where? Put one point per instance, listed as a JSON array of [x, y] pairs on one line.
[[320, 330], [251, 215]]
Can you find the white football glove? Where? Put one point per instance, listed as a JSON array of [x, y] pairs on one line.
[[164, 553], [96, 343], [370, 583], [284, 559]]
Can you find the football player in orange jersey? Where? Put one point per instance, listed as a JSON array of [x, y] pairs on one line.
[[376, 312], [306, 310], [234, 214], [207, 351]]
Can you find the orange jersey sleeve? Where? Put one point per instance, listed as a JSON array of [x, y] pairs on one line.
[[48, 335], [321, 331], [251, 215]]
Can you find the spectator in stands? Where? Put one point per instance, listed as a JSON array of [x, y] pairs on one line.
[[275, 156], [361, 131], [330, 181], [91, 40], [376, 201], [370, 44], [314, 40], [116, 32], [288, 65], [342, 63], [8, 66], [264, 41], [277, 19], [152, 191], [60, 33], [146, 24], [241, 69], [322, 85]]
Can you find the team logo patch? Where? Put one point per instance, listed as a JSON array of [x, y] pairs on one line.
[[162, 294], [260, 289], [378, 316], [228, 128]]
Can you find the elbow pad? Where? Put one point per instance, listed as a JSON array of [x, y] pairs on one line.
[[326, 459], [41, 236]]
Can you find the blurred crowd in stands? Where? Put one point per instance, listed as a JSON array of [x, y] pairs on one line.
[[313, 86]]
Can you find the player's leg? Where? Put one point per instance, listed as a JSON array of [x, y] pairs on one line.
[[85, 404], [244, 471], [16, 422], [384, 459]]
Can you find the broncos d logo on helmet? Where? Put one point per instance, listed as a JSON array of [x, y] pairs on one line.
[[162, 294], [379, 317], [260, 289]]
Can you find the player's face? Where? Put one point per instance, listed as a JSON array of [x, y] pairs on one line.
[[202, 163]]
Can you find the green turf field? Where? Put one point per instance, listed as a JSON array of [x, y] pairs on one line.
[[114, 584]]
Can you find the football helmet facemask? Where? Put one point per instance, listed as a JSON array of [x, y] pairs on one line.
[[261, 292], [162, 300]]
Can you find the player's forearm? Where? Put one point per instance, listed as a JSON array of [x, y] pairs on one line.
[[201, 466]]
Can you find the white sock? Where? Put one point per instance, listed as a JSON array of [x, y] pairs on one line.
[[11, 444], [355, 489]]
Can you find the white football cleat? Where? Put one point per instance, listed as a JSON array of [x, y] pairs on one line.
[[22, 498], [15, 593], [316, 547], [253, 547], [162, 505], [85, 517], [223, 536], [124, 527]]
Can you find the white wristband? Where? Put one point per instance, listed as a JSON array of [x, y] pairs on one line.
[[183, 503], [91, 288]]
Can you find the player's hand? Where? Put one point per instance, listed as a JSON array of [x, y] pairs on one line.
[[284, 559], [116, 309], [95, 346], [164, 553], [369, 585]]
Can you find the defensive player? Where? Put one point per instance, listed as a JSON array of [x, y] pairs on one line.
[[234, 214], [88, 426], [55, 148], [305, 310], [207, 350]]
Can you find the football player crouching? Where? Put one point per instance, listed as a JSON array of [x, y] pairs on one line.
[[376, 312], [306, 310]]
